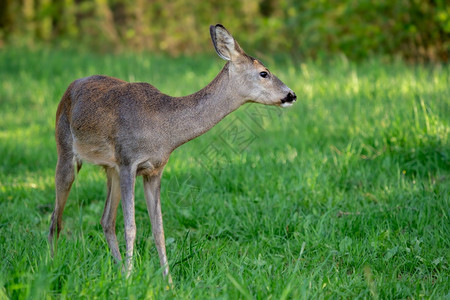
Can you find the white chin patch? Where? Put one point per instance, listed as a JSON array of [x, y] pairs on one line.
[[287, 104]]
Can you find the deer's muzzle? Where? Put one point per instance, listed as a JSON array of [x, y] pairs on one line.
[[289, 99]]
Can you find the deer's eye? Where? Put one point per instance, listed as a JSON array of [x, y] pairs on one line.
[[263, 74]]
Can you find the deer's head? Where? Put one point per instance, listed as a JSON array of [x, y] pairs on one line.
[[253, 81]]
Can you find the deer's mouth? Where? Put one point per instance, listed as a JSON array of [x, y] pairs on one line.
[[288, 100]]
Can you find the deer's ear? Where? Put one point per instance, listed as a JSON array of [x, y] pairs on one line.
[[224, 43]]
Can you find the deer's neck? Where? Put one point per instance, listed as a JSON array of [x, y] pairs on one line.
[[197, 113]]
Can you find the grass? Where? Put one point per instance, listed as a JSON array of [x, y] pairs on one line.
[[345, 195]]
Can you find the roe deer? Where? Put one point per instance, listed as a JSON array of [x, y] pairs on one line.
[[132, 128]]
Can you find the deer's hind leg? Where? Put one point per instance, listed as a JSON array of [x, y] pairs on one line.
[[64, 177], [127, 178], [152, 189], [110, 212]]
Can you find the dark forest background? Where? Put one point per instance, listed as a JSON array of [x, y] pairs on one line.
[[416, 30]]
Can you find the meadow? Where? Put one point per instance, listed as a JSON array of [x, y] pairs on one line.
[[344, 195]]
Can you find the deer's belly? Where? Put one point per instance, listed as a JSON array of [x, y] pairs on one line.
[[99, 154]]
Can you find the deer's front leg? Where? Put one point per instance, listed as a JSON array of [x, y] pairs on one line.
[[127, 181], [152, 187]]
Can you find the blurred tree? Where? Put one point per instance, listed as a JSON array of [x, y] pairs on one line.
[[29, 17], [44, 20], [106, 21], [6, 17]]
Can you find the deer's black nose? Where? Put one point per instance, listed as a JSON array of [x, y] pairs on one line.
[[291, 97]]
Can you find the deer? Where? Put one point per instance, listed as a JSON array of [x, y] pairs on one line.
[[130, 129]]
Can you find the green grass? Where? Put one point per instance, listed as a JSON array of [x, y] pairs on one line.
[[345, 195]]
